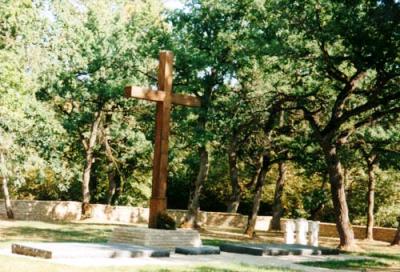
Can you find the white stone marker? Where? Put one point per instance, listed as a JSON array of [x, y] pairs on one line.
[[313, 228], [301, 231], [289, 231]]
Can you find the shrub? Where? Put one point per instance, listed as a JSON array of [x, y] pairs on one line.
[[165, 221]]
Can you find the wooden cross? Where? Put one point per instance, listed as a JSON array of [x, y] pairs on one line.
[[164, 98]]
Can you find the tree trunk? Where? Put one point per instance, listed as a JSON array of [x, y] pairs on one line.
[[252, 219], [277, 209], [234, 200], [314, 213], [112, 185], [88, 163], [371, 200], [113, 169], [190, 220], [396, 240], [258, 167], [336, 179], [7, 200]]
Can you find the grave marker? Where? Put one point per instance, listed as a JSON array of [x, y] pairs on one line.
[[313, 228], [301, 231], [289, 232]]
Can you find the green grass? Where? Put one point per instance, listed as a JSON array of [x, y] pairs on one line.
[[21, 264], [394, 258], [54, 232], [373, 260], [225, 268], [214, 242]]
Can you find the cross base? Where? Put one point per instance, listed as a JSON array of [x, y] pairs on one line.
[[157, 205]]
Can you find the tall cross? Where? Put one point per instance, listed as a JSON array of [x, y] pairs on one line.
[[164, 98]]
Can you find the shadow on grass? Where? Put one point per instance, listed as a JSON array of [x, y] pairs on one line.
[[386, 256], [214, 242], [233, 268], [52, 235], [197, 269], [351, 264]]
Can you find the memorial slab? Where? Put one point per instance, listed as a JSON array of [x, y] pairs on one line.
[[277, 249], [85, 250], [203, 250], [242, 249]]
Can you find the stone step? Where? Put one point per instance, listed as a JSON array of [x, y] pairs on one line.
[[167, 239]]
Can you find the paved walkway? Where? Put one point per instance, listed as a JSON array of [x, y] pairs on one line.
[[208, 260]]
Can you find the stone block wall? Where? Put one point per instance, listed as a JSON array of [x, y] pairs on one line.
[[71, 211], [380, 234], [43, 210], [224, 220]]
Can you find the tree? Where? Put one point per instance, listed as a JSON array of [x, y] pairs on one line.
[[277, 209], [104, 54], [376, 143], [343, 63], [396, 239], [4, 183], [205, 44], [31, 138]]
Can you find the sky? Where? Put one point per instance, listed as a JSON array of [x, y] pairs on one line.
[[173, 4]]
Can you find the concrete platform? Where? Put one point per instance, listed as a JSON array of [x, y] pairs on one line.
[[277, 249], [166, 239], [203, 250], [85, 250]]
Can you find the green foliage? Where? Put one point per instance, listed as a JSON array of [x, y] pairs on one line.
[[386, 197], [63, 61], [386, 216]]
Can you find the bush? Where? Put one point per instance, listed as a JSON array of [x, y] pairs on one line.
[[387, 216], [165, 221]]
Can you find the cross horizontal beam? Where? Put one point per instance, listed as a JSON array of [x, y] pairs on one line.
[[159, 96]]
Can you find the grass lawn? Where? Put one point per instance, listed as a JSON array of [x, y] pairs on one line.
[[12, 231], [381, 261], [53, 232], [21, 264], [349, 264]]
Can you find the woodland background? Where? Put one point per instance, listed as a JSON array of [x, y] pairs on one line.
[[299, 117]]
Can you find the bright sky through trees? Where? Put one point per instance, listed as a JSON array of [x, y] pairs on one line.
[[173, 4]]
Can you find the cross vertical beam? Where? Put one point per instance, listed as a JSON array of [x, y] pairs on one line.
[[164, 98], [158, 201]]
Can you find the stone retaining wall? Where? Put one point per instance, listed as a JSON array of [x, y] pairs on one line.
[[71, 210], [380, 234]]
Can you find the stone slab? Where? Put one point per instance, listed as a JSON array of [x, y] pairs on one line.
[[309, 250], [166, 239], [277, 249], [85, 250], [203, 250], [242, 249]]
